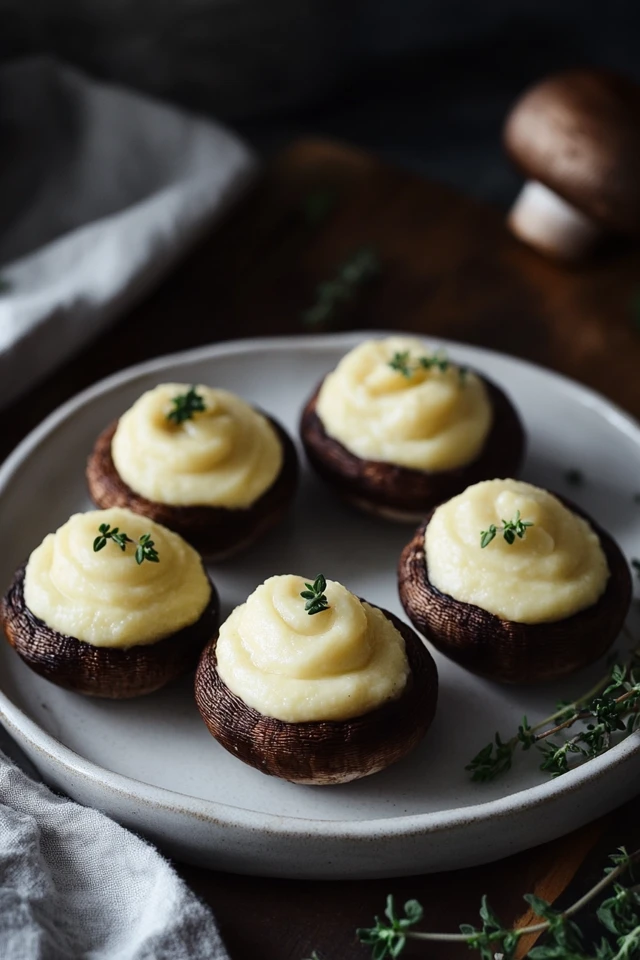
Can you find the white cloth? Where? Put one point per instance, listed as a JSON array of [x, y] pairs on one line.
[[76, 886], [101, 190]]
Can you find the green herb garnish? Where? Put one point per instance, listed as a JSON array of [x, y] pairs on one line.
[[401, 362], [612, 705], [108, 533], [438, 360], [314, 595], [145, 549], [510, 530], [618, 915], [332, 295], [185, 405]]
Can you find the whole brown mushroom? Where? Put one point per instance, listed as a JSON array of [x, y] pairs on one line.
[[576, 137]]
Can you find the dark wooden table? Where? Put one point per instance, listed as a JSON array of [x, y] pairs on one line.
[[448, 268]]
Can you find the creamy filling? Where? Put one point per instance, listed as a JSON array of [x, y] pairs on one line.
[[227, 455], [414, 413], [107, 599], [555, 570], [334, 665]]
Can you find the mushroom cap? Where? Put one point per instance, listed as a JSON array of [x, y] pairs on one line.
[[117, 673], [216, 532], [322, 752], [505, 650], [579, 134], [402, 493]]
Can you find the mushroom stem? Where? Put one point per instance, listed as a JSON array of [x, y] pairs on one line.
[[548, 223]]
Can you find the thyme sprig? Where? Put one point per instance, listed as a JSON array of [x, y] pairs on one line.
[[618, 914], [610, 707], [145, 548], [510, 530], [185, 405], [315, 596], [402, 363], [331, 295], [107, 532]]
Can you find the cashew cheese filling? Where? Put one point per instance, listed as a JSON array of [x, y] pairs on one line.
[[226, 455], [340, 663], [396, 401], [107, 599], [555, 570]]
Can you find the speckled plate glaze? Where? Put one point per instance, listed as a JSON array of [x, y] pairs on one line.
[[152, 765]]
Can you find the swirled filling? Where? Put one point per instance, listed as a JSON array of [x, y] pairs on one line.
[[556, 569], [106, 598], [226, 455], [396, 401], [340, 663]]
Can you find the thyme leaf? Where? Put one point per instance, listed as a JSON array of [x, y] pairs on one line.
[[185, 405], [510, 530], [332, 295], [145, 548]]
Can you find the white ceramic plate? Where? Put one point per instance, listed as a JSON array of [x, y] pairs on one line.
[[151, 763]]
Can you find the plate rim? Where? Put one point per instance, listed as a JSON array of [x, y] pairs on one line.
[[21, 726]]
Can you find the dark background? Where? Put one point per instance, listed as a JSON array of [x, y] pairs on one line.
[[425, 83]]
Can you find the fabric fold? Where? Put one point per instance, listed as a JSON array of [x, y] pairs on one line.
[[101, 191], [75, 884]]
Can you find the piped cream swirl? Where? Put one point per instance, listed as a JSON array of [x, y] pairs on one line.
[[106, 598], [225, 456], [333, 665], [429, 420], [557, 569]]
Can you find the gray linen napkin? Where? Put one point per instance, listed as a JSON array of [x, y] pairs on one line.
[[101, 191], [76, 886]]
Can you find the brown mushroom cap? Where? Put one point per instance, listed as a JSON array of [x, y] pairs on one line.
[[579, 134], [215, 532], [324, 752], [400, 493], [114, 672], [504, 650]]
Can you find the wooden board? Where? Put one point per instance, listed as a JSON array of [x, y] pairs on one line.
[[448, 268]]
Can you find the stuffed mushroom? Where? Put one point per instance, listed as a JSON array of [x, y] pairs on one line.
[[309, 683], [111, 605], [200, 461], [514, 584], [396, 429]]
